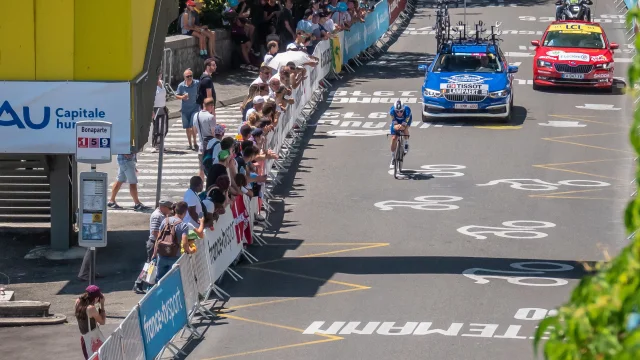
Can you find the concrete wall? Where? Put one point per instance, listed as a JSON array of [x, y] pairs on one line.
[[186, 54]]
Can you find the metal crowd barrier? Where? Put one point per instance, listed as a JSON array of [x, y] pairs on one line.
[[188, 291]]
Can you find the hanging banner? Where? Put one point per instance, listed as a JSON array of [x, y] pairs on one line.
[[336, 51], [40, 117], [241, 219], [162, 313], [395, 8]]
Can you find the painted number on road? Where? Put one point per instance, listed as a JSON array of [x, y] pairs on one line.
[[437, 170], [540, 185], [534, 313], [540, 267], [434, 203], [516, 229]]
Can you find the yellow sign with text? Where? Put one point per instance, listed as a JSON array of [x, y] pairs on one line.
[[576, 28]]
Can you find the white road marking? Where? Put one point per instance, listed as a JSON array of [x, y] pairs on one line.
[[563, 124], [598, 107]]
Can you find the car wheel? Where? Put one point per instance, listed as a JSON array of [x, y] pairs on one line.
[[537, 87], [425, 118]]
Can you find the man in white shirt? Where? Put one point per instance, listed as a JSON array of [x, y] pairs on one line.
[[204, 121], [265, 75], [160, 115], [194, 212]]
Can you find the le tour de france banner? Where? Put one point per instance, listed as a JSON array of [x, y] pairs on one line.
[[40, 117], [162, 313], [363, 35]]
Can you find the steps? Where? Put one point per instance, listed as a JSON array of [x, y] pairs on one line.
[[25, 195]]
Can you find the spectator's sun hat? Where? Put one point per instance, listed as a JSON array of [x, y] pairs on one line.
[[208, 204], [218, 130], [94, 292], [223, 155], [258, 99], [165, 202]]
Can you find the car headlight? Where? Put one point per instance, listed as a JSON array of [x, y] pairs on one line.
[[432, 93], [542, 63], [604, 66], [499, 94]]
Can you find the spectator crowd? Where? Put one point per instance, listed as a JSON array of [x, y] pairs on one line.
[[265, 32]]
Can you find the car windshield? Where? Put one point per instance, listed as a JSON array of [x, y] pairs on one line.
[[479, 62], [574, 39]]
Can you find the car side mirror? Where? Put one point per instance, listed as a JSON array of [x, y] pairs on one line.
[[614, 46], [535, 42], [422, 67], [512, 69]]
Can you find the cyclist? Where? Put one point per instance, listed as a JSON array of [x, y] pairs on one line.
[[400, 122]]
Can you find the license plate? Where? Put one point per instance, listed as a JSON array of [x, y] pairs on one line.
[[466, 106], [573, 76]]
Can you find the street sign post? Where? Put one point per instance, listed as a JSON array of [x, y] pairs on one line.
[[93, 146]]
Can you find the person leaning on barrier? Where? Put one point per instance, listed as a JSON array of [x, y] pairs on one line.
[[182, 228]]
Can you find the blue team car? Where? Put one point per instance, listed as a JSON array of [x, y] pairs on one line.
[[468, 80]]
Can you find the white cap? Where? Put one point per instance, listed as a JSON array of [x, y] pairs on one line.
[[258, 99], [209, 205], [292, 46]]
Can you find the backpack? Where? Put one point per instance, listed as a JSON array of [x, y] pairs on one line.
[[202, 93], [207, 157], [167, 242]]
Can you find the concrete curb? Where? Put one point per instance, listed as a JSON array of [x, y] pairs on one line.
[[174, 114]]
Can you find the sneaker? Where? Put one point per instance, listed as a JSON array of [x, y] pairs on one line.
[[196, 147], [393, 163], [189, 147], [113, 205], [140, 207]]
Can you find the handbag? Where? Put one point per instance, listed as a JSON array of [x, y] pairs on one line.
[[151, 270], [94, 339]]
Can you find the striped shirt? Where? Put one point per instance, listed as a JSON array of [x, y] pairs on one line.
[[154, 223]]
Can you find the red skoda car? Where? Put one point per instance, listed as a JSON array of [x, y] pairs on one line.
[[573, 53]]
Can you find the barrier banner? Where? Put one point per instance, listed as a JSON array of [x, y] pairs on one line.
[[241, 220], [323, 52], [43, 115], [163, 313], [222, 244], [336, 51], [362, 35], [395, 8]]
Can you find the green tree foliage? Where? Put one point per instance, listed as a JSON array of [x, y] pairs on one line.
[[601, 321]]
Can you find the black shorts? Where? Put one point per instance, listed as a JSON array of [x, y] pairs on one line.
[[239, 38], [189, 32]]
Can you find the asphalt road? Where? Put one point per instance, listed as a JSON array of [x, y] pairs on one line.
[[419, 262]]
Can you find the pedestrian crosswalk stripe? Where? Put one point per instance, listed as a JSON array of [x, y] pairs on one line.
[[169, 171], [171, 177]]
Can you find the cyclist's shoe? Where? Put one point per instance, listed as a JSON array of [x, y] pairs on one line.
[[406, 148], [393, 163]]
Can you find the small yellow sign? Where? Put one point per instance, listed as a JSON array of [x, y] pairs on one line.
[[96, 218], [575, 27]]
